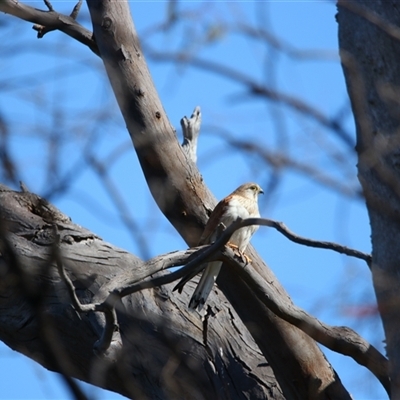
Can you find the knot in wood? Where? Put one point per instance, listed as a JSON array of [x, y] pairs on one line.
[[139, 92], [106, 23]]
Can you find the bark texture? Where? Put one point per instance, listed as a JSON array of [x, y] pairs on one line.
[[301, 369], [369, 37], [165, 351]]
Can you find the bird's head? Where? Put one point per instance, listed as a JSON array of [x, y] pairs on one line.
[[249, 190]]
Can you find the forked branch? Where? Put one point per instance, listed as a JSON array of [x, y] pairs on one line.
[[46, 21]]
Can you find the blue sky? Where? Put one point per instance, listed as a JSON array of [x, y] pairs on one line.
[[330, 286]]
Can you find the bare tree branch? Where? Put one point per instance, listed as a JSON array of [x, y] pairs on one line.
[[196, 257], [280, 45], [102, 171], [191, 131], [42, 30], [51, 20], [179, 191], [280, 226], [339, 339], [280, 160], [76, 9], [34, 293], [150, 319], [258, 89]]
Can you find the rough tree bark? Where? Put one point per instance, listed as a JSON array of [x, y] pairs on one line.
[[180, 193], [165, 351], [369, 39]]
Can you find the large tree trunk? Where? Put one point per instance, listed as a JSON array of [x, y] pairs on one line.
[[369, 39], [178, 189], [165, 350]]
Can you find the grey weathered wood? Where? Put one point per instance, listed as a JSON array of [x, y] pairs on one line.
[[369, 38], [340, 339], [191, 130], [177, 187], [51, 20], [161, 339], [300, 368]]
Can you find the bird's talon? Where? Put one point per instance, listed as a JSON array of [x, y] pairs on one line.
[[233, 246], [246, 259], [235, 249]]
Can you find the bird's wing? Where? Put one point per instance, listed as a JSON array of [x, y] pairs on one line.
[[207, 236], [213, 222]]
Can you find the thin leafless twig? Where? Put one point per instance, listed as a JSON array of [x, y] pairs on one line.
[[35, 294], [280, 160], [280, 45], [48, 5], [281, 227], [102, 172], [42, 30], [64, 276], [340, 339], [76, 9], [258, 89], [194, 259]]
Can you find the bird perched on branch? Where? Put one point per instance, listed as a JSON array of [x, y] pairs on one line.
[[242, 203]]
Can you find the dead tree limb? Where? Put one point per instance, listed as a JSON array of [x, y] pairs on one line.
[[147, 320], [179, 191], [300, 368], [50, 20]]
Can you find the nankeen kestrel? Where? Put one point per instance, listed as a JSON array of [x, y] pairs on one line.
[[242, 203]]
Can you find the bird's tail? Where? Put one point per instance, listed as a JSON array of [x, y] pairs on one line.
[[205, 285]]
